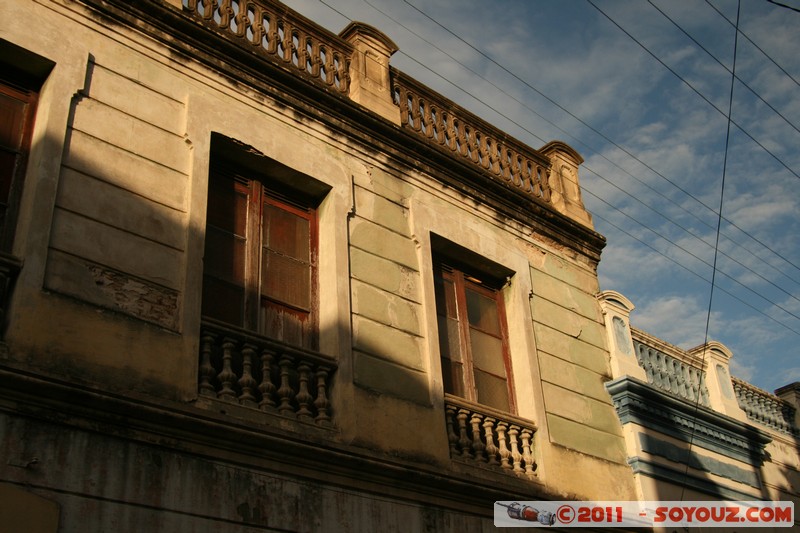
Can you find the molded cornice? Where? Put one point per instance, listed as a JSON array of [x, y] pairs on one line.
[[643, 404]]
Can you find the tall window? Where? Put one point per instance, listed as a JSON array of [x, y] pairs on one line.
[[260, 257], [473, 337], [17, 106]]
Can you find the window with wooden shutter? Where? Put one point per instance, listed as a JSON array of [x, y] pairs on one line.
[[473, 338], [17, 107], [260, 257]]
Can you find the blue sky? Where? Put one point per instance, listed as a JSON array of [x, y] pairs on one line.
[[650, 119]]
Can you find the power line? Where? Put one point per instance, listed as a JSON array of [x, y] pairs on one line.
[[688, 231], [737, 78], [716, 246], [689, 270], [694, 89], [783, 5], [468, 68], [625, 214], [713, 265], [743, 34]]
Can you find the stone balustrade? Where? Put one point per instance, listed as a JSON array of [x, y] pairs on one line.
[[672, 373], [480, 435], [281, 35], [242, 368], [443, 123], [325, 58], [764, 408]]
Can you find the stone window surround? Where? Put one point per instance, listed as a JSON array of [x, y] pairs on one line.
[[499, 247]]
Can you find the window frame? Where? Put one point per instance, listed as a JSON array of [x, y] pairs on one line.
[[14, 85], [260, 191], [465, 278]]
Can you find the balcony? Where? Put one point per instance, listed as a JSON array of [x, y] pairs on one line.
[[240, 368], [488, 438]]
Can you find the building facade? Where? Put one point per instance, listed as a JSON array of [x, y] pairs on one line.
[[254, 278], [694, 432]]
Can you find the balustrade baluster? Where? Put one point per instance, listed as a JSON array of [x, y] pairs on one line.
[[285, 392], [516, 456], [246, 383], [463, 440], [304, 399], [477, 444], [452, 438], [209, 7], [273, 35], [450, 132], [266, 386], [256, 24], [527, 455], [242, 20], [321, 403], [227, 377], [207, 372], [301, 51], [502, 427], [491, 449]]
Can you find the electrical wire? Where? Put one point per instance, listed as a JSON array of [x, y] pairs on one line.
[[716, 247], [695, 90], [766, 55], [720, 63], [687, 269]]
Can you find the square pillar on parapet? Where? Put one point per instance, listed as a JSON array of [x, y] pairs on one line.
[[616, 314], [565, 188], [721, 395], [370, 85]]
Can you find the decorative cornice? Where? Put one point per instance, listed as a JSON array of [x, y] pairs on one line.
[[643, 404]]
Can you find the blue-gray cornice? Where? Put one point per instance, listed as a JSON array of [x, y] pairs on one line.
[[643, 404]]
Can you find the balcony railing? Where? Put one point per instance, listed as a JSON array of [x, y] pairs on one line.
[[242, 368], [441, 122], [765, 408], [672, 374], [487, 437], [280, 35]]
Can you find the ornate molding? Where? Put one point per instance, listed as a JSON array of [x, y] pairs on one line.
[[643, 404]]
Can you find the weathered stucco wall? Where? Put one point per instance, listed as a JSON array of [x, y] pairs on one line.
[[105, 483]]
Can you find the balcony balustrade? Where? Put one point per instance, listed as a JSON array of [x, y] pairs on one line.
[[279, 35], [672, 374], [441, 122], [486, 437], [764, 408], [239, 367]]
